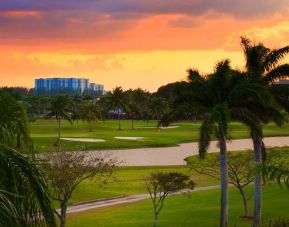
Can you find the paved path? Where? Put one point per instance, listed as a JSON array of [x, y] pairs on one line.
[[165, 156], [121, 200]]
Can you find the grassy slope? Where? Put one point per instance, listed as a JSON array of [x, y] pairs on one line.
[[200, 209], [44, 134]]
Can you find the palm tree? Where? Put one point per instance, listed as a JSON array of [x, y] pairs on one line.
[[59, 110], [116, 100], [24, 197], [14, 125], [214, 99], [262, 66], [158, 106], [90, 113], [223, 96]]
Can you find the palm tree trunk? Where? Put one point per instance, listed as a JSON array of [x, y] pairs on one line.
[[224, 182], [257, 141]]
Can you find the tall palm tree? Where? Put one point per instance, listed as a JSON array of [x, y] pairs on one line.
[[60, 110], [263, 66], [116, 100], [223, 96], [214, 99]]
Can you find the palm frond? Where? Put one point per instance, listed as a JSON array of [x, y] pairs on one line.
[[30, 197], [280, 72], [206, 132], [274, 57]]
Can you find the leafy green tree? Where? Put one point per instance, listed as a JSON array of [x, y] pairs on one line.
[[116, 101], [90, 113], [160, 185], [263, 66], [67, 170], [240, 171], [60, 110]]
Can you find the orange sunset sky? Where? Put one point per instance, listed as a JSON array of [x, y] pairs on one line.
[[130, 43]]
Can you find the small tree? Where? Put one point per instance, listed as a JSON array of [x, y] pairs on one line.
[[66, 170], [90, 114], [276, 167], [160, 185], [60, 110], [240, 171]]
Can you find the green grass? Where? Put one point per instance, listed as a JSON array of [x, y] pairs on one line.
[[44, 134], [129, 181], [201, 209]]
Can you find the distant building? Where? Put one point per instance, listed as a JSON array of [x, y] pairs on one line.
[[66, 85], [284, 82], [96, 87]]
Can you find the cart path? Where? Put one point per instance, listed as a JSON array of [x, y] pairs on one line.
[[167, 156], [126, 199]]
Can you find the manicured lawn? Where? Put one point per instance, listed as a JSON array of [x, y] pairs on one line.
[[200, 209], [130, 181], [44, 133]]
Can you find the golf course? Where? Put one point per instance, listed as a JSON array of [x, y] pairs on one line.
[[198, 208]]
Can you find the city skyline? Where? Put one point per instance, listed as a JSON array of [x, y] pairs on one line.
[[131, 43]]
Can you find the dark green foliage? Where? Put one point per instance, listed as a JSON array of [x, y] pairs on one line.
[[14, 126], [24, 195]]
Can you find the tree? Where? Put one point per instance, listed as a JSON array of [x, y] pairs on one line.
[[276, 167], [24, 196], [160, 185], [240, 171], [90, 113], [66, 170], [59, 110], [14, 125], [158, 107], [76, 106], [262, 65], [116, 100], [214, 98]]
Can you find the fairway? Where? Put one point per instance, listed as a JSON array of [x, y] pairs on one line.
[[197, 209], [130, 181], [44, 134]]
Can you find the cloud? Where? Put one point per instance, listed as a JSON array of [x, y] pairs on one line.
[[93, 25], [242, 9]]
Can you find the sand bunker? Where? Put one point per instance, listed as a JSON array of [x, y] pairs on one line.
[[84, 140], [169, 127], [128, 138]]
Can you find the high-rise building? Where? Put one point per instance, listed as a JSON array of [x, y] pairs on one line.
[[96, 87], [65, 85]]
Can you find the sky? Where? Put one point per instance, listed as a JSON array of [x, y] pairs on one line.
[[131, 43]]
